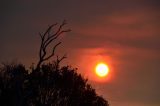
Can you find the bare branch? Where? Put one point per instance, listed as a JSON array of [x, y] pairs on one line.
[[60, 27], [46, 39], [53, 52], [58, 60], [49, 28]]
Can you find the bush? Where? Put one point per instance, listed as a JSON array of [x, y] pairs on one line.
[[48, 86]]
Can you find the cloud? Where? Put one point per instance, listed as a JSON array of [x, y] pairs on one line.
[[134, 29]]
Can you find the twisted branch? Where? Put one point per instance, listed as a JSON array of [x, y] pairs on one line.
[[46, 39]]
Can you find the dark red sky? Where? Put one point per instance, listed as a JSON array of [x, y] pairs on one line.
[[124, 33]]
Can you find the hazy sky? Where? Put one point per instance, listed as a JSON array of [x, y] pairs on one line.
[[123, 33]]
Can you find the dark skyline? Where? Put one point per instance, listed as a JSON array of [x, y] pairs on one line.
[[124, 33]]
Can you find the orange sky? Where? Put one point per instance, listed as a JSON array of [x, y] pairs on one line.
[[123, 33]]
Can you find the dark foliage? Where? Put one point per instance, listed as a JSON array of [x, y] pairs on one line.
[[49, 86]]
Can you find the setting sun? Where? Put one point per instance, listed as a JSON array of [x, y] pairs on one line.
[[102, 70]]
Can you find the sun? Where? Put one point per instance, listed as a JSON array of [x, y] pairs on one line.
[[102, 69]]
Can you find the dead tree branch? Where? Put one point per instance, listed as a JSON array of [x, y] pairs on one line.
[[46, 39], [58, 60]]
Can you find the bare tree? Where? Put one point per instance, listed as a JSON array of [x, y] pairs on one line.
[[51, 86], [46, 39]]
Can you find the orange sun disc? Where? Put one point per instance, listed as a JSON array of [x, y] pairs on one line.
[[102, 70]]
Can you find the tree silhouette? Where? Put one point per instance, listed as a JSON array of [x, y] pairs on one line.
[[48, 84]]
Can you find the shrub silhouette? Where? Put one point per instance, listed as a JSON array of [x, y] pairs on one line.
[[47, 84], [47, 87]]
